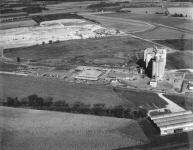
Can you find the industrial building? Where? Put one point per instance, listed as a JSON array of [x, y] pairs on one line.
[[89, 75], [174, 122], [155, 62]]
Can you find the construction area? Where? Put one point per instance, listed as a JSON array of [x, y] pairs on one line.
[[54, 31]]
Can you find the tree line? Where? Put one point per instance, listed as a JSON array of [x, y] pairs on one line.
[[36, 102]]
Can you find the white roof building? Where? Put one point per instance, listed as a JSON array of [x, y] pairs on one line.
[[89, 75], [174, 122]]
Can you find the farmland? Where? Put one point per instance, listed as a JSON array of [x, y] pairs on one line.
[[88, 49], [183, 101], [25, 23], [17, 86], [179, 60], [162, 33], [126, 25], [8, 67], [165, 20], [33, 129], [178, 44]]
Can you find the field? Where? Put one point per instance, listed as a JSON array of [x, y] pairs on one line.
[[8, 67], [23, 129], [162, 33], [178, 44], [48, 17], [25, 23], [17, 86], [153, 18], [122, 24], [179, 60], [184, 101], [76, 51]]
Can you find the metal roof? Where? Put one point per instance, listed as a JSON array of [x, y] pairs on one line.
[[178, 125], [173, 122], [184, 116], [171, 115]]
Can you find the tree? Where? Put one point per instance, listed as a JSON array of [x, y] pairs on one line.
[[118, 111], [48, 101], [50, 41], [32, 100], [99, 109], [18, 59], [12, 101]]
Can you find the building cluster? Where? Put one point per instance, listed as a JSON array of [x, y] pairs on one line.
[[155, 62], [174, 122]]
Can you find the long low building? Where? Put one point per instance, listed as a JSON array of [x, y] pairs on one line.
[[174, 122], [89, 75]]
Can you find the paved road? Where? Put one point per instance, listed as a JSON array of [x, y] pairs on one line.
[[173, 107], [130, 21]]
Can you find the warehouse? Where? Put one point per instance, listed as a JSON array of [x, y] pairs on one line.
[[89, 75], [174, 122]]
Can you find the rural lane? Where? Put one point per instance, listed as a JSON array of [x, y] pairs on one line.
[[173, 107]]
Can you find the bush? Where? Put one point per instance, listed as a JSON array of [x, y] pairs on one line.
[[36, 102], [48, 101], [12, 102]]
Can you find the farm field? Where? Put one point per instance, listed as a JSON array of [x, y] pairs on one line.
[[153, 18], [25, 23], [144, 10], [17, 86], [183, 101], [162, 33], [34, 129], [126, 25], [82, 49], [70, 6], [8, 67], [178, 44], [179, 60]]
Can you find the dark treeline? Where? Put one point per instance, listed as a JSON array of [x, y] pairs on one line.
[[178, 15], [102, 4], [64, 0], [48, 17], [36, 102]]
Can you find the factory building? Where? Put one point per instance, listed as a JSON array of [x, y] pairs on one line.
[[155, 62], [92, 75], [174, 122]]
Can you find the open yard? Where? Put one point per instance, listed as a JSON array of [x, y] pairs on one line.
[[22, 129], [17, 86]]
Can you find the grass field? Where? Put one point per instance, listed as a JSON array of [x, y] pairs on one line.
[[184, 101], [179, 60], [80, 49], [178, 44], [17, 86], [22, 129], [125, 25], [162, 33], [165, 20], [18, 24], [8, 67]]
